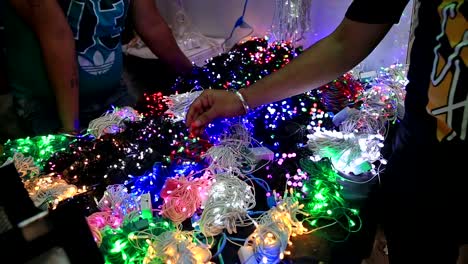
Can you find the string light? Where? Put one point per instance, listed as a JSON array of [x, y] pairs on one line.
[[25, 166], [113, 122], [178, 104], [118, 201], [228, 202], [341, 92], [40, 148], [176, 247], [48, 191], [129, 243], [206, 175], [321, 196], [183, 196], [348, 152], [274, 229]]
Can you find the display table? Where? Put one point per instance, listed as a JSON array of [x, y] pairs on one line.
[[209, 49]]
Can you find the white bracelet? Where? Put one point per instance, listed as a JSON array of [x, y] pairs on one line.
[[242, 99]]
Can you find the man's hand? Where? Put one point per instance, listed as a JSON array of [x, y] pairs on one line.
[[210, 105]]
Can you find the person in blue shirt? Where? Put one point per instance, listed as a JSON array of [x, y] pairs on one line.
[[65, 60]]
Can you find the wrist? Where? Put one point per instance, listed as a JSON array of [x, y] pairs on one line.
[[241, 96]]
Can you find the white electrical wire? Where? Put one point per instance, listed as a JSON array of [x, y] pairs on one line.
[[228, 202], [179, 104]]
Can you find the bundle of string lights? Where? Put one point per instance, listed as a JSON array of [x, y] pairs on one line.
[[157, 195]]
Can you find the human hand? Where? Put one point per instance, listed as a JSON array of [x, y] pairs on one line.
[[210, 105]]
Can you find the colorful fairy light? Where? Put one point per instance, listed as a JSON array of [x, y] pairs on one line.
[[221, 197], [113, 122], [349, 153], [40, 148], [321, 196], [245, 64], [184, 196], [129, 244], [176, 247], [24, 166], [118, 201], [49, 191], [151, 182], [179, 104], [341, 92], [274, 230], [226, 207]]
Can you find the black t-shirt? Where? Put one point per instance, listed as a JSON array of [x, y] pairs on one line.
[[437, 94]]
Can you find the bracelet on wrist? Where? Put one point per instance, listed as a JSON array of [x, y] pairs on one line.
[[243, 101]]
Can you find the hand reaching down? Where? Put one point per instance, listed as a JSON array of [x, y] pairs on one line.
[[211, 105]]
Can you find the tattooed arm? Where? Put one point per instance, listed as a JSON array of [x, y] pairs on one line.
[[58, 49]]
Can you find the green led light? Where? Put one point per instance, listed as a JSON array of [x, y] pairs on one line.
[[40, 148]]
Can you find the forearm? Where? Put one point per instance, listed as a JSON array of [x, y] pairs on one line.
[[60, 60], [47, 20], [161, 42], [316, 66], [334, 55]]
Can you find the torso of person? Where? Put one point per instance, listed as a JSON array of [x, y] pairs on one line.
[[96, 26], [437, 94]]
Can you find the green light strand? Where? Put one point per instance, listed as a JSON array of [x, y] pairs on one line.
[[127, 245], [321, 196], [40, 148]]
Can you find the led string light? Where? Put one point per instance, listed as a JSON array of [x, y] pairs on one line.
[[184, 196], [113, 122], [291, 20], [179, 104], [129, 243], [96, 234], [151, 182], [348, 152], [189, 149], [49, 191], [176, 247], [227, 205], [159, 149], [100, 220], [24, 166], [118, 201], [40, 148], [339, 93], [394, 76], [153, 105], [274, 229], [322, 199], [245, 64], [231, 152]]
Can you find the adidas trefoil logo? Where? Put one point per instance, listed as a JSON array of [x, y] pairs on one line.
[[98, 66]]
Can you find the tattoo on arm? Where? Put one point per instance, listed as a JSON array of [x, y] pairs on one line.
[[34, 3], [74, 81]]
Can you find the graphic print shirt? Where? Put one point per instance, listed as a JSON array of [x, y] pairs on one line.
[[96, 25], [437, 94]]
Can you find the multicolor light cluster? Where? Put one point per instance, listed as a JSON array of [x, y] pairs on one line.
[[205, 183], [322, 198], [39, 148]]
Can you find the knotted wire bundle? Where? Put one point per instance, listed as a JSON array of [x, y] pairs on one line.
[[228, 202]]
